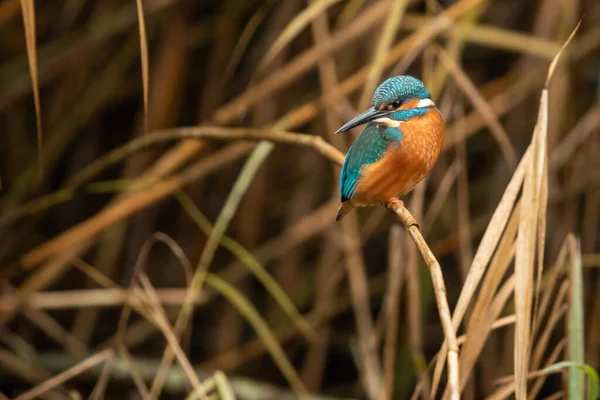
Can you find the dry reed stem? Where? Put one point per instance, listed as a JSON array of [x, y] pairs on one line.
[[392, 308], [415, 318], [483, 255], [369, 365], [499, 323], [129, 205], [549, 296], [559, 308], [441, 195], [20, 368], [314, 364], [230, 207], [78, 238], [258, 343], [137, 379], [500, 104], [55, 330], [245, 37], [153, 312], [478, 327], [28, 11], [52, 328], [586, 125], [171, 336], [300, 65], [206, 132], [579, 54], [531, 233], [370, 368], [144, 59], [252, 264], [481, 105], [386, 39], [91, 298], [66, 375], [535, 373], [255, 348], [473, 347], [303, 19], [508, 389], [437, 278], [463, 199]]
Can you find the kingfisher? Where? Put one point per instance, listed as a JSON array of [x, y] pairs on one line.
[[398, 147]]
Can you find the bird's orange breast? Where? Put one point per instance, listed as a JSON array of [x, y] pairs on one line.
[[403, 166]]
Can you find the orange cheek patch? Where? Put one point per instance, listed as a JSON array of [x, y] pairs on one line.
[[412, 103]]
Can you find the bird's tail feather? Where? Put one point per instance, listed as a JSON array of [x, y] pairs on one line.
[[344, 209]]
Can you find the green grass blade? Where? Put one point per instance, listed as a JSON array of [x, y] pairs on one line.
[[575, 324], [581, 368], [255, 267], [262, 329]]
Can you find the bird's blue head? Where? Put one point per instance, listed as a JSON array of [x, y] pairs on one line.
[[397, 99]]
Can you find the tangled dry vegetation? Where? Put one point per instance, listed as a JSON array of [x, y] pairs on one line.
[[168, 233]]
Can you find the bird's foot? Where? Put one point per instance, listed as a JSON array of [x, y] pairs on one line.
[[394, 204]]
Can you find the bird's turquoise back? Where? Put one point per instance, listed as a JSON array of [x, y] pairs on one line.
[[368, 148]]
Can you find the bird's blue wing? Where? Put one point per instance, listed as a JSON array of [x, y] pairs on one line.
[[368, 148]]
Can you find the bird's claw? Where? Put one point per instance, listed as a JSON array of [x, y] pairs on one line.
[[397, 203]]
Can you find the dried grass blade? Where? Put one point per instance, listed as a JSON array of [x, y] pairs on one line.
[[526, 250], [386, 39], [66, 375], [161, 320], [223, 386], [262, 329], [479, 332], [247, 33], [506, 390], [553, 320], [392, 308], [470, 90], [414, 300], [28, 11], [204, 132], [541, 234], [145, 60], [484, 252], [302, 20], [255, 267], [441, 195], [558, 55], [553, 274], [138, 381], [88, 229], [260, 153], [489, 301], [586, 125], [530, 233], [439, 288]]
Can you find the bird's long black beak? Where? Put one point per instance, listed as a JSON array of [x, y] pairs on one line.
[[363, 118]]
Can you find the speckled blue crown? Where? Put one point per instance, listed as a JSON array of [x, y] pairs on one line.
[[401, 88]]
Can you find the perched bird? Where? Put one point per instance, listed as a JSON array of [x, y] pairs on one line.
[[397, 148]]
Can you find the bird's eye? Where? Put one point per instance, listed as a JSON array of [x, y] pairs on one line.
[[396, 104]]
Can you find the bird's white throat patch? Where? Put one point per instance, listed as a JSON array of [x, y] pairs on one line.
[[388, 121]]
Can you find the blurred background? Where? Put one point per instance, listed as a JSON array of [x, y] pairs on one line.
[[292, 301]]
